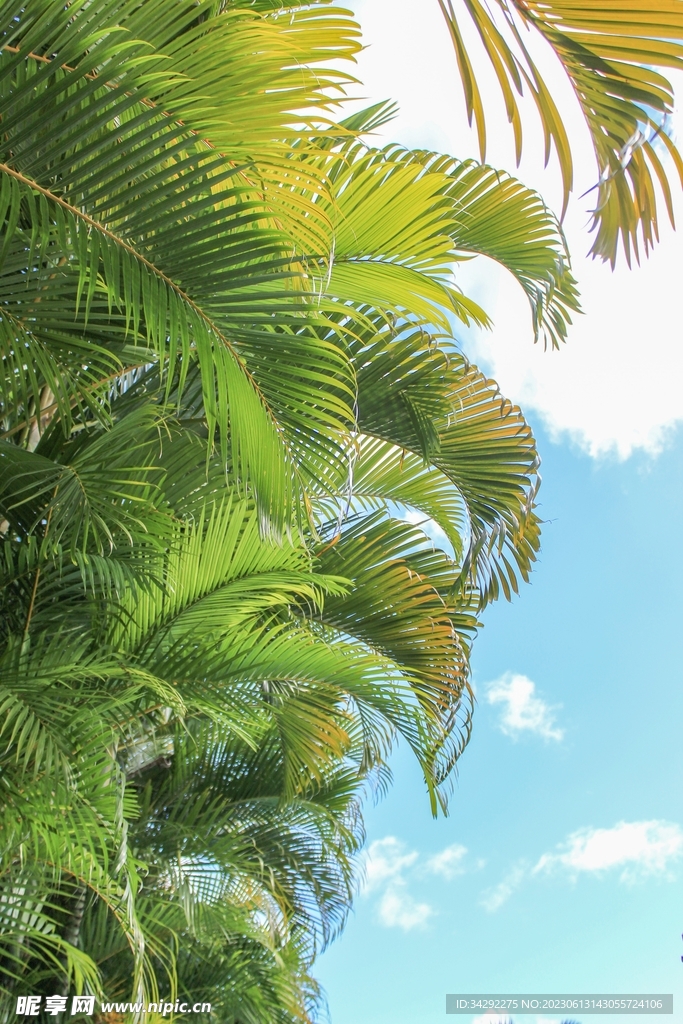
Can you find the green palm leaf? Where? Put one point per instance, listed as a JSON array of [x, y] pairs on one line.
[[228, 379], [611, 53]]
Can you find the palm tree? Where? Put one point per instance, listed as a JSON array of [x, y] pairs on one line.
[[613, 55], [229, 382]]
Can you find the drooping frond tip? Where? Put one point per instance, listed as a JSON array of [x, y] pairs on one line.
[[611, 53]]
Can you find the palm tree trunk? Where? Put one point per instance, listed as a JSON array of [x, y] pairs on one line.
[[72, 931]]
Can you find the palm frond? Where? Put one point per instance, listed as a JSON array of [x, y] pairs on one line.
[[440, 407], [228, 379], [611, 53]]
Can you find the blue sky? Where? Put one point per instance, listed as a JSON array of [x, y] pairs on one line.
[[559, 868], [598, 633]]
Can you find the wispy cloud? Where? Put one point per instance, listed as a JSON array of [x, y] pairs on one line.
[[448, 862], [638, 848], [522, 710], [634, 849], [494, 898], [389, 865], [398, 909], [385, 861]]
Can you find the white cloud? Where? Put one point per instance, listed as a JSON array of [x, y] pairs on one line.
[[494, 898], [522, 710], [397, 909], [495, 1019], [448, 862], [429, 527], [614, 388], [385, 861], [638, 848]]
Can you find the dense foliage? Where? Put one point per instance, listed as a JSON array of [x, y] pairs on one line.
[[230, 392]]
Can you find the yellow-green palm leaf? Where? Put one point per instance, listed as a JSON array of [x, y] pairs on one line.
[[614, 53]]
